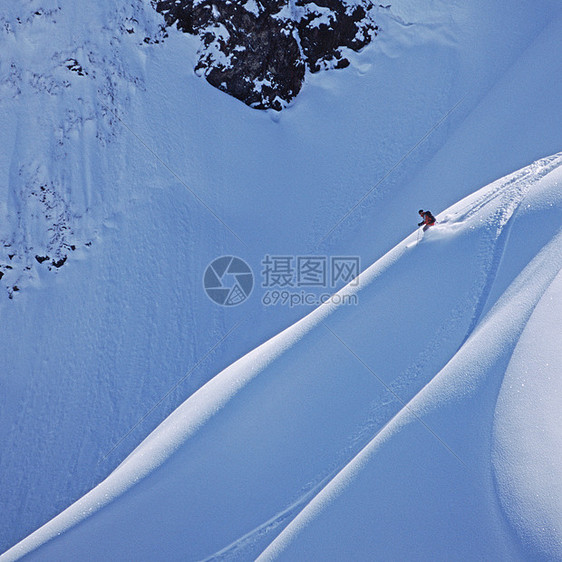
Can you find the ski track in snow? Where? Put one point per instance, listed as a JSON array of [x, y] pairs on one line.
[[512, 193], [249, 544]]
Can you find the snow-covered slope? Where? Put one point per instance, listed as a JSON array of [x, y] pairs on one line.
[[131, 174], [367, 432], [527, 435]]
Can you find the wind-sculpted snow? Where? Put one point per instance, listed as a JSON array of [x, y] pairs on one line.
[[528, 434], [356, 433], [440, 443]]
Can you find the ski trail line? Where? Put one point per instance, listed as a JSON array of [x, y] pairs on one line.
[[514, 192]]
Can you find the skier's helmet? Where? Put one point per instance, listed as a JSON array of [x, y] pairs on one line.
[[420, 211]]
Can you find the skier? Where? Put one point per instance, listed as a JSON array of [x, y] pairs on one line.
[[428, 219]]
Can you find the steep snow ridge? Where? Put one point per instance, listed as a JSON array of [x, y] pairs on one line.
[[334, 399], [458, 408]]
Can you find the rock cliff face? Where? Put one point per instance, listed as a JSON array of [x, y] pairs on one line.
[[258, 51]]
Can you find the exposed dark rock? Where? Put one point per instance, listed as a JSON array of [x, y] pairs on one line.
[[59, 263], [74, 66], [41, 259], [259, 50]]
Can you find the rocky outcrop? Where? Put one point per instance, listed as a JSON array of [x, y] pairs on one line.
[[259, 51]]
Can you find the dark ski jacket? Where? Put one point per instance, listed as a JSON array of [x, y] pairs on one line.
[[428, 219]]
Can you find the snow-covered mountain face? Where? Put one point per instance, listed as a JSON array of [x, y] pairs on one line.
[[124, 174], [259, 51], [58, 100]]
